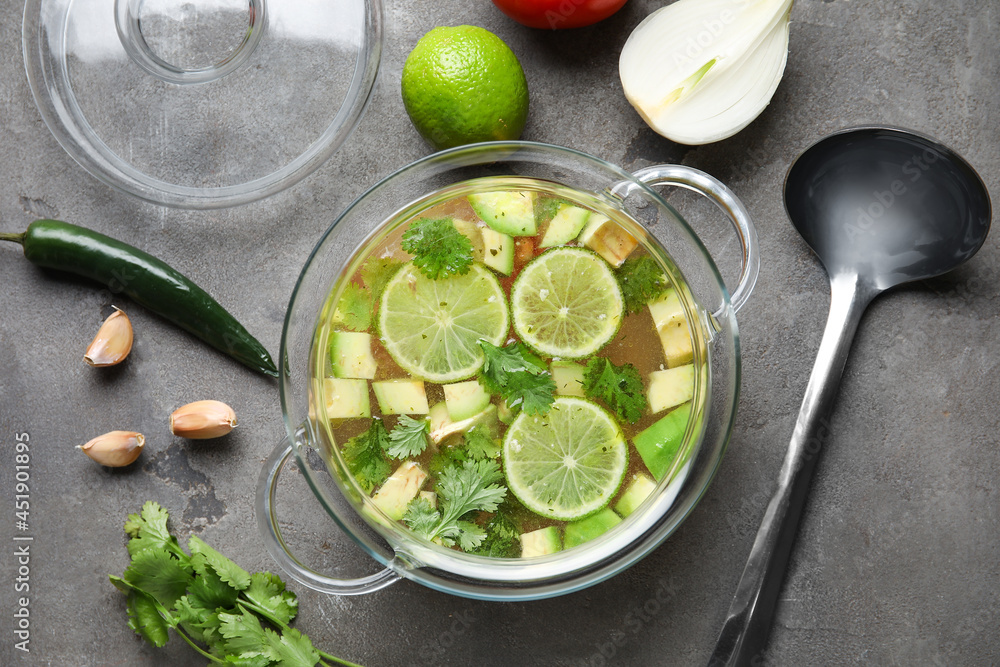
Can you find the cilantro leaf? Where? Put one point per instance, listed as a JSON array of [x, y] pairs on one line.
[[208, 589], [207, 598], [292, 648], [354, 310], [480, 443], [439, 250], [641, 280], [268, 591], [376, 274], [365, 454], [200, 622], [408, 438], [145, 620], [472, 486], [502, 534], [422, 517], [618, 387], [519, 376], [160, 575], [148, 530], [228, 571], [243, 633]]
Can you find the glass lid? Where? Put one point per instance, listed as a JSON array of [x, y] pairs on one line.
[[201, 103]]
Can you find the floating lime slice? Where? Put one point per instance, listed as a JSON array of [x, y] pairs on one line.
[[566, 303], [431, 328], [568, 463]]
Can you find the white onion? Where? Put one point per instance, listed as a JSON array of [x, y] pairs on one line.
[[699, 71]]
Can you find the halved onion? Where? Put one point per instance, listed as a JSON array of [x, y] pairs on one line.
[[699, 71]]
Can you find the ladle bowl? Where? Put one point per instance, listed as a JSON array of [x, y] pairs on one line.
[[879, 207]]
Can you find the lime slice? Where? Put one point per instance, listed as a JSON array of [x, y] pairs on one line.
[[566, 303], [431, 328], [568, 463]]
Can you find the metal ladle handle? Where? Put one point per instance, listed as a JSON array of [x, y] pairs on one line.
[[708, 186], [744, 635], [267, 523]]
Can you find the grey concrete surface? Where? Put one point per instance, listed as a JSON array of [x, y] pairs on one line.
[[897, 558]]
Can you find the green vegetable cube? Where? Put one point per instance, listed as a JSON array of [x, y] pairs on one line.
[[671, 387], [346, 399], [465, 399], [587, 529], [351, 355], [401, 487], [498, 251], [658, 445], [569, 378], [509, 212], [608, 239], [540, 542], [566, 225], [401, 397], [640, 488]]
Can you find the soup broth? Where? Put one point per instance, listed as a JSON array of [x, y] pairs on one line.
[[510, 368]]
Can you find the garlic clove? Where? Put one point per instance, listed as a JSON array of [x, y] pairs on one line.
[[202, 420], [115, 449], [112, 343]]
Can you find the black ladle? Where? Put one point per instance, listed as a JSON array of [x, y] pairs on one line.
[[880, 207]]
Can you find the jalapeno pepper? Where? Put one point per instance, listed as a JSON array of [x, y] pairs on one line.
[[146, 280]]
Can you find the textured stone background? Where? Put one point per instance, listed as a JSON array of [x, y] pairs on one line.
[[897, 559]]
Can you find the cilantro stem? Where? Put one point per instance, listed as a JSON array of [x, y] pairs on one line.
[[196, 647], [249, 604]]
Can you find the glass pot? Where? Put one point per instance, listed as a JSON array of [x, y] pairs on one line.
[[708, 305]]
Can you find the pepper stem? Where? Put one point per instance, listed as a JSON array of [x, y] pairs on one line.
[[16, 238]]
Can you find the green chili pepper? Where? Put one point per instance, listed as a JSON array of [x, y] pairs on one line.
[[146, 280]]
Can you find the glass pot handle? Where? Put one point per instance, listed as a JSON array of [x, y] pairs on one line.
[[709, 186], [267, 523]]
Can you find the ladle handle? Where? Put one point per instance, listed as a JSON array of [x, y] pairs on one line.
[[267, 522], [744, 634], [698, 181]]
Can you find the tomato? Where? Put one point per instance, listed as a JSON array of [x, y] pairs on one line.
[[553, 14]]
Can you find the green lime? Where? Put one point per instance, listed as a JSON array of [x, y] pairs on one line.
[[431, 328], [566, 303], [568, 463], [463, 85]]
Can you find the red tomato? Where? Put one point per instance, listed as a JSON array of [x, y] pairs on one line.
[[553, 14]]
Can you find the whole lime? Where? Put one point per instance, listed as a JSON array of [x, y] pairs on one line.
[[462, 85]]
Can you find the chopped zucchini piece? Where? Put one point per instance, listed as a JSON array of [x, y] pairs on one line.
[[351, 355], [669, 388], [401, 397], [509, 212], [608, 239], [540, 542], [498, 251], [565, 226], [568, 377], [397, 491], [346, 399], [658, 445], [465, 399], [640, 488], [584, 530]]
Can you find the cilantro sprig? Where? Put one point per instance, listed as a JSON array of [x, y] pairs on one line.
[[641, 280], [238, 618], [409, 438], [518, 376], [618, 387], [439, 250], [366, 456], [472, 486]]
